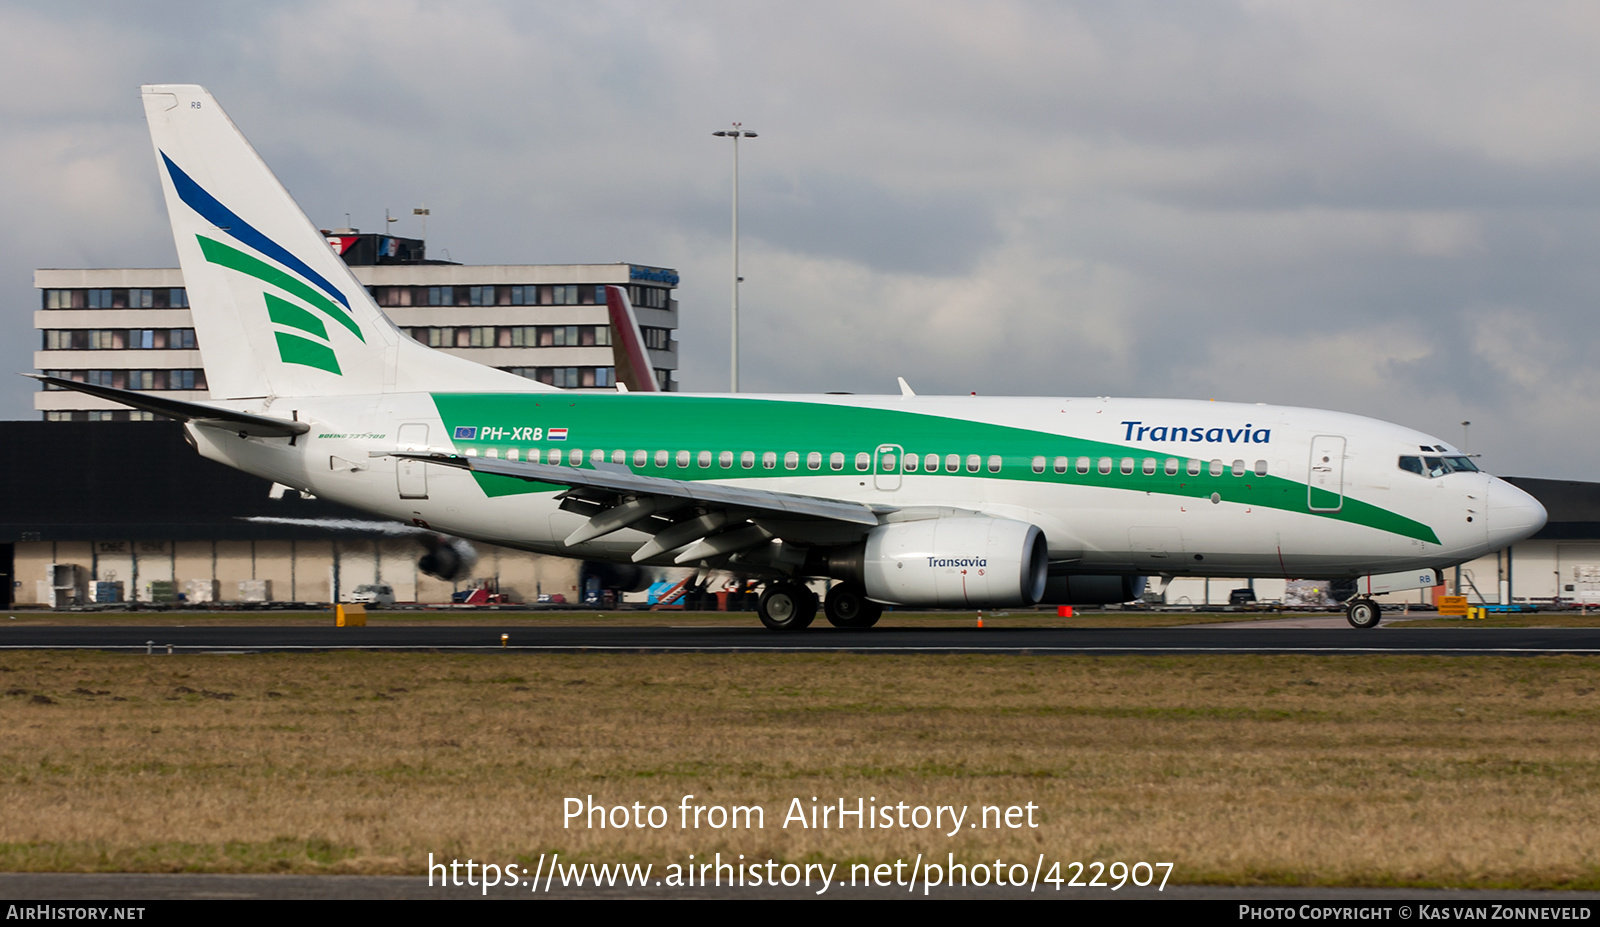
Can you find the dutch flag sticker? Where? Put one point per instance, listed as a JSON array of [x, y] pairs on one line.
[[558, 434]]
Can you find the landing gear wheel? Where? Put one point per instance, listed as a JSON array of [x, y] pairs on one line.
[[787, 607], [1363, 613], [848, 607]]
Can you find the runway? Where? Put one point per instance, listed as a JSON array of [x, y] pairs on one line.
[[526, 638]]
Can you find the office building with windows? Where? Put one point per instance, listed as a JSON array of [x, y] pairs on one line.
[[131, 328]]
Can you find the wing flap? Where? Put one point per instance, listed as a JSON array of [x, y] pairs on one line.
[[714, 521]]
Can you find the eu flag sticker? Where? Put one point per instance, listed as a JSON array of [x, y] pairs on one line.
[[466, 432]]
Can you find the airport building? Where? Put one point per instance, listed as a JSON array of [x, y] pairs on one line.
[[131, 328], [129, 512], [132, 509]]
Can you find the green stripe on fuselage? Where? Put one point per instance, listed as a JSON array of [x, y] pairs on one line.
[[694, 423]]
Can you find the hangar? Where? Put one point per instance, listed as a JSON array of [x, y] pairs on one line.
[[132, 503]]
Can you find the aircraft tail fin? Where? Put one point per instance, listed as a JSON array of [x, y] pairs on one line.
[[627, 344], [276, 311]]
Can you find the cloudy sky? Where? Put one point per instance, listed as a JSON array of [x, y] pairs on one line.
[[1388, 209]]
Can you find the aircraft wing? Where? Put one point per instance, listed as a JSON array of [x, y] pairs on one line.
[[713, 522], [260, 426]]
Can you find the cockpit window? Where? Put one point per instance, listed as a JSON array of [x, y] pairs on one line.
[[1433, 467]]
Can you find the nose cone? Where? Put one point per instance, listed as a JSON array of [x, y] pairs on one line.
[[1513, 514]]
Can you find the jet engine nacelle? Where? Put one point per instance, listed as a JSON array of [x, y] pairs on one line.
[[1092, 589], [969, 561], [449, 559]]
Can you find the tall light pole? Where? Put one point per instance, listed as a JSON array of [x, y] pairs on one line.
[[736, 133]]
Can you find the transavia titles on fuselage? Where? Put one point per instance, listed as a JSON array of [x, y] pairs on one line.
[[905, 500]]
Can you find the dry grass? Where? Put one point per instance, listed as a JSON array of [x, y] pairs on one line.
[[1273, 769]]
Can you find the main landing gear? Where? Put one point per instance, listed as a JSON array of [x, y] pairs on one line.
[[848, 607], [787, 606], [1362, 613]]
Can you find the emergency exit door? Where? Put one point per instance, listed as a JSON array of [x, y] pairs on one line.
[[886, 467]]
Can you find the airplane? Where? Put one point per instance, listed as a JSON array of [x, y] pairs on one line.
[[896, 500]]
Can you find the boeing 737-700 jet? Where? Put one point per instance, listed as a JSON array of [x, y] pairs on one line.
[[905, 500]]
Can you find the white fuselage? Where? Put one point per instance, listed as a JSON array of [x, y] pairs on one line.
[[1117, 522]]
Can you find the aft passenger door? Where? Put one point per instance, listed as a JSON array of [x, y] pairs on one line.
[[1325, 485], [411, 476], [886, 467]]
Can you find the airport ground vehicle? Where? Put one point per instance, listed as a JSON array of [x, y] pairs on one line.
[[931, 501], [373, 594]]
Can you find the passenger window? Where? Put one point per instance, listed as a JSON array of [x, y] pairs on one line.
[[640, 458], [1172, 466], [1194, 467], [888, 463], [1061, 464], [1149, 466], [1105, 464], [931, 463], [814, 461], [725, 460], [1216, 468], [836, 460], [493, 452], [661, 459], [769, 460], [683, 459], [791, 460], [952, 463], [1261, 468], [1038, 464], [994, 463], [619, 457], [554, 457], [704, 458], [597, 456], [911, 463], [747, 460], [1083, 465], [513, 454], [1238, 468], [575, 458], [863, 461], [973, 462], [1127, 465]]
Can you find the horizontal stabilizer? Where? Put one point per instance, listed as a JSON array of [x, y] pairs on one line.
[[258, 426]]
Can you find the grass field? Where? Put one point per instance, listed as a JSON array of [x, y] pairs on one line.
[[1276, 770]]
